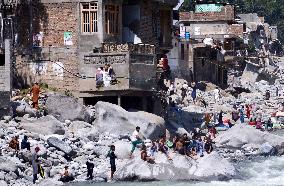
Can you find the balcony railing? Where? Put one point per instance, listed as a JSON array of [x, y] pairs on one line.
[[134, 65], [128, 47]]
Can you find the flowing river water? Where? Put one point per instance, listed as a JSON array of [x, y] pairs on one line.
[[262, 171]]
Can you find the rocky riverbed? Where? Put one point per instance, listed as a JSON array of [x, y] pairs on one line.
[[72, 134]]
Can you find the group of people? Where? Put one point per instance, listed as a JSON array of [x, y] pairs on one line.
[[66, 175], [193, 147], [105, 76]]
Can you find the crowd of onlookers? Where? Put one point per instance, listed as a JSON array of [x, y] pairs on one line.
[[192, 145]]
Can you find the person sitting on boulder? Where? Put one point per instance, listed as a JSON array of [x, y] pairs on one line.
[[193, 153], [144, 155], [153, 148], [66, 176], [163, 147], [180, 148], [25, 144], [258, 124], [90, 170], [14, 144], [200, 147], [208, 146], [136, 139]]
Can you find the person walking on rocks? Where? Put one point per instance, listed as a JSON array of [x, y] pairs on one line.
[[35, 164], [35, 90], [112, 158], [184, 90], [242, 115], [136, 139], [193, 93], [217, 95]]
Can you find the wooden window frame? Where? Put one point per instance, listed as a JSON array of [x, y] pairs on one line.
[[89, 17], [112, 24]]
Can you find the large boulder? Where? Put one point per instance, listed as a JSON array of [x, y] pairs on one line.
[[115, 120], [20, 108], [46, 125], [213, 165], [122, 149], [6, 165], [61, 145], [67, 108], [210, 167], [78, 125], [241, 136]]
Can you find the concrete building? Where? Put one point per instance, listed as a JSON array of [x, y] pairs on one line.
[[5, 79], [211, 42], [6, 45], [64, 42]]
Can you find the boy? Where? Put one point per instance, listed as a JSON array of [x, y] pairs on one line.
[[112, 158]]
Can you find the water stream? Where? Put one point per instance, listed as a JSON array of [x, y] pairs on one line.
[[262, 171]]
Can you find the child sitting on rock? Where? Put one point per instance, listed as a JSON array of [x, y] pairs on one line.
[[144, 155]]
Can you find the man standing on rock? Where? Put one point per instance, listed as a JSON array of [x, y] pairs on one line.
[[90, 168], [35, 95], [112, 158], [35, 164], [136, 139]]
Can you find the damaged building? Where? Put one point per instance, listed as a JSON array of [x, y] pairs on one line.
[[6, 45], [210, 42], [63, 43]]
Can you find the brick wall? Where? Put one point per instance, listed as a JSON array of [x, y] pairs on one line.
[[149, 23], [227, 14], [45, 64], [236, 29]]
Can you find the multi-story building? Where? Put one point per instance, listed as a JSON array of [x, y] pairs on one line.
[[5, 57], [64, 42], [211, 42]]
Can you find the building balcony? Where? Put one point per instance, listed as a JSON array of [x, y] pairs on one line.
[[227, 13], [134, 66]]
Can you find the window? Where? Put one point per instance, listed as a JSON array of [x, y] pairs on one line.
[[112, 19], [89, 13]]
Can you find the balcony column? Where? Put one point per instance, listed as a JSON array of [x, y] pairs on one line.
[[119, 100]]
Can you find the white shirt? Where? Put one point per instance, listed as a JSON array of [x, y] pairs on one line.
[[185, 86], [135, 135]]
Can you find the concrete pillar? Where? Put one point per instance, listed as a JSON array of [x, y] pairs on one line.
[[8, 81], [119, 100]]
